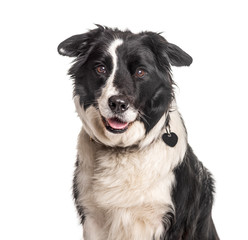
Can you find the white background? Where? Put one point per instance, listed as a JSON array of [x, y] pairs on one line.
[[39, 126]]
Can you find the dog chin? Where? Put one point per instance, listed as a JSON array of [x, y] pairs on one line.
[[97, 127], [116, 125]]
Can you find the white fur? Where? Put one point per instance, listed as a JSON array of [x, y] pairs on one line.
[[91, 119], [62, 51], [109, 89], [125, 192]]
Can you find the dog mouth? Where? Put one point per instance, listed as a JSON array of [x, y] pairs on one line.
[[115, 125]]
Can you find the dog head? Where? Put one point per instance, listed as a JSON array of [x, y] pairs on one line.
[[122, 82]]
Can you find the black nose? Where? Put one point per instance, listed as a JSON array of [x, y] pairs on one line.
[[118, 104]]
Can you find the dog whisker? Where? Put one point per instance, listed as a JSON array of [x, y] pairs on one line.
[[143, 116]]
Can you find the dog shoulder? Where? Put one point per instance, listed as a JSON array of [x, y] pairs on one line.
[[194, 179], [193, 195]]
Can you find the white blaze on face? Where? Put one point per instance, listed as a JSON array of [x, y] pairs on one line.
[[109, 89]]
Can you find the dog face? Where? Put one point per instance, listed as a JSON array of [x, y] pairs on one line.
[[122, 82]]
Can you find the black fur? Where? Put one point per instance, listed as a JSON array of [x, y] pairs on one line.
[[193, 192], [152, 94], [76, 194], [193, 200]]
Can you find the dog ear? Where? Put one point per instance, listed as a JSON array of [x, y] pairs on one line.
[[72, 46], [177, 57], [165, 52], [79, 44]]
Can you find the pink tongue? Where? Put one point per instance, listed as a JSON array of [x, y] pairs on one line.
[[116, 124]]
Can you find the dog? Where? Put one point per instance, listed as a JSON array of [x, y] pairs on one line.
[[136, 176]]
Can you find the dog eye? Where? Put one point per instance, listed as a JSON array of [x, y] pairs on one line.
[[140, 73], [101, 69]]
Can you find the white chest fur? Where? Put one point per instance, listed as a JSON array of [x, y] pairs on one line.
[[125, 193], [128, 179]]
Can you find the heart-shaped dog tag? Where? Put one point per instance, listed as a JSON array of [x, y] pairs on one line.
[[170, 139]]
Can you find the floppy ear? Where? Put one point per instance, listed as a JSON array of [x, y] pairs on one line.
[[72, 46], [79, 44], [177, 57], [167, 53]]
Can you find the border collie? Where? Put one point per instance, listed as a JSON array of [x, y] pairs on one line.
[[136, 176]]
